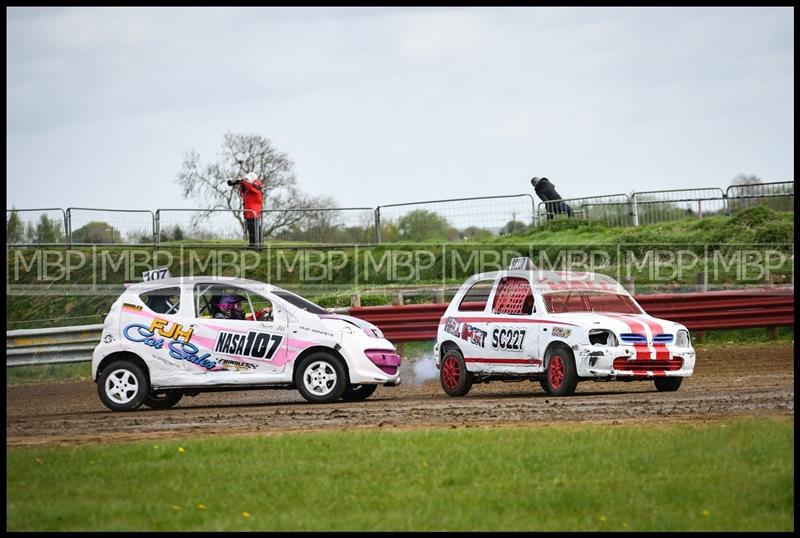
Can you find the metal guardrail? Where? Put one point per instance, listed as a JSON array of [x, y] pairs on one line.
[[706, 311], [26, 347]]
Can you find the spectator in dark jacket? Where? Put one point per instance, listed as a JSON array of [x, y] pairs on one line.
[[546, 192]]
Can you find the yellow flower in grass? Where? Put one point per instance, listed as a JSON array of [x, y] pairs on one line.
[[245, 514], [706, 513], [181, 450], [603, 519], [201, 506], [175, 508]]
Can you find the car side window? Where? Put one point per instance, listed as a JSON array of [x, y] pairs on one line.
[[262, 308], [219, 301], [163, 300], [514, 296], [476, 297]]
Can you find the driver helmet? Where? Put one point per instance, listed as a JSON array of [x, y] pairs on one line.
[[230, 306]]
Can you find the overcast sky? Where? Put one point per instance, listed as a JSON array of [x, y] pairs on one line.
[[386, 105]]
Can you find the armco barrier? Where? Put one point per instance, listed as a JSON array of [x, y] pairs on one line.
[[706, 311], [51, 346]]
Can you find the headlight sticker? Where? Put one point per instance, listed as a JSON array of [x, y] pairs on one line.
[[561, 332]]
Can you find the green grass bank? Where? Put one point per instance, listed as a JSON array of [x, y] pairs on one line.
[[705, 476]]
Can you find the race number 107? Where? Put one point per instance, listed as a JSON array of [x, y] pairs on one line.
[[156, 274]]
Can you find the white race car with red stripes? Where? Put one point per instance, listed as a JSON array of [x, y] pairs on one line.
[[167, 338], [557, 328]]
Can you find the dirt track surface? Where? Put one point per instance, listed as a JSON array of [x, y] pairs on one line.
[[728, 380]]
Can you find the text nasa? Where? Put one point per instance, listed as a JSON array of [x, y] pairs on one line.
[[258, 345]]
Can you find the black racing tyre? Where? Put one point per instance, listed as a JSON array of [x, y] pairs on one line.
[[562, 377], [122, 385], [357, 393], [320, 378], [667, 384], [163, 399], [456, 380], [545, 386]]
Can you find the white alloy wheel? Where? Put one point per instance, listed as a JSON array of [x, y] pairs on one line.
[[319, 378], [121, 386]]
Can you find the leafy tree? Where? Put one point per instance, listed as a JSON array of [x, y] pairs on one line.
[[48, 231], [15, 230], [389, 232], [241, 154], [513, 227], [96, 232], [172, 234], [423, 225], [30, 233], [474, 232]]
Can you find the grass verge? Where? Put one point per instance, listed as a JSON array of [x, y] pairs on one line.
[[733, 475]]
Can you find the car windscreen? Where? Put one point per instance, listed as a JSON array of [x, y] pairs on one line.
[[300, 303], [563, 302]]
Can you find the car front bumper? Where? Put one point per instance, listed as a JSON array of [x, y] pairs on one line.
[[628, 362]]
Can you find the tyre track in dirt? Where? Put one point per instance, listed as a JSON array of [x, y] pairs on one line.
[[728, 381]]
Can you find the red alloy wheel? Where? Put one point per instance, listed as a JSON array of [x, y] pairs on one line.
[[556, 371], [450, 372]]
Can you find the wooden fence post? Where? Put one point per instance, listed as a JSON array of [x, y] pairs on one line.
[[702, 280], [438, 296]]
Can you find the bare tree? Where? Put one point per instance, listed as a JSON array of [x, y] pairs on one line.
[[241, 154], [746, 179], [747, 188]]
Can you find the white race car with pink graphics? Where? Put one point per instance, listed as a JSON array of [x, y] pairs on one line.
[[167, 338], [558, 328]]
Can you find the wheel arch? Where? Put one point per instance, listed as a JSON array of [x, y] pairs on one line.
[[553, 345], [446, 346], [325, 349], [122, 355]]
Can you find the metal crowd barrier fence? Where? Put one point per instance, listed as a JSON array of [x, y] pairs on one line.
[[110, 226], [35, 226], [200, 225], [613, 209], [438, 220], [777, 195], [651, 207], [455, 219], [330, 225]]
